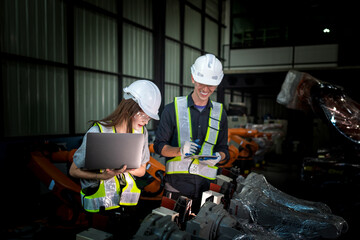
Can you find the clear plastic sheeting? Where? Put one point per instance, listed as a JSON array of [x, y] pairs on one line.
[[253, 231], [302, 91], [287, 216], [213, 222], [259, 181]]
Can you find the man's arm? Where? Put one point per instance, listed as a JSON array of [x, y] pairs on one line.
[[169, 151], [222, 146], [165, 132]]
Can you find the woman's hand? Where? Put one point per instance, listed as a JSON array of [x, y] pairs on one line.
[[109, 173]]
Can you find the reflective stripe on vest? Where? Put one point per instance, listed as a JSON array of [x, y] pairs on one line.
[[130, 193], [109, 194], [180, 165], [105, 196]]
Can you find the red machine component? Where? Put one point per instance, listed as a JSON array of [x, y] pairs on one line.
[[59, 184], [156, 172], [234, 152], [68, 191], [247, 148]]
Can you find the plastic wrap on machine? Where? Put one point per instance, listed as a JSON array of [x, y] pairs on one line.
[[213, 222], [304, 92], [289, 217]]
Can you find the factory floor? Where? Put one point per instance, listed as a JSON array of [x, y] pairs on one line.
[[37, 223]]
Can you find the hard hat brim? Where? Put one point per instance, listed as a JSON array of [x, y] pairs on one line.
[[129, 96], [206, 82], [156, 117]]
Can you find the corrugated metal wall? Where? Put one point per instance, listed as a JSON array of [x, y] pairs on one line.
[[95, 41], [269, 106], [96, 96], [138, 11], [38, 81], [137, 52], [35, 99], [34, 29]]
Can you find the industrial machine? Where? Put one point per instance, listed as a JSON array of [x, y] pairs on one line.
[[257, 210], [304, 92]]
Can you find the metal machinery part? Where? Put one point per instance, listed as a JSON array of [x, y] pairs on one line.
[[259, 202], [257, 211], [159, 227], [213, 222]]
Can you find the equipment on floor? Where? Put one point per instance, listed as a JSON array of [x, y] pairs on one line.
[[304, 92], [257, 211], [59, 184], [261, 203]]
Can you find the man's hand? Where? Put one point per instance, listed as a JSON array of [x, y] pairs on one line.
[[189, 148], [212, 161]]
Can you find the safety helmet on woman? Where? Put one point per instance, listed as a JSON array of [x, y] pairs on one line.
[[147, 95]]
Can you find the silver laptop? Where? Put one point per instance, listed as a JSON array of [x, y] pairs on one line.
[[113, 150]]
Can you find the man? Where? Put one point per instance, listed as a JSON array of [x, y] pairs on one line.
[[191, 125]]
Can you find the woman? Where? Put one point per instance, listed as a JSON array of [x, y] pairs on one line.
[[108, 189]]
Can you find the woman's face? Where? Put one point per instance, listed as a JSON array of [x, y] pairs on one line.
[[140, 119]]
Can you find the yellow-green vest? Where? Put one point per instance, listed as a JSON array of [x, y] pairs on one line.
[[181, 165], [110, 194]]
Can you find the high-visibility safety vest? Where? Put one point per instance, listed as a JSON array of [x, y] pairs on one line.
[[181, 165], [110, 193]]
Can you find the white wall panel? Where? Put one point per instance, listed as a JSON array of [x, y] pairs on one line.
[[192, 31], [109, 5], [139, 11], [171, 92], [172, 23], [34, 29], [196, 3], [95, 41], [314, 54], [212, 8], [96, 96], [35, 100], [282, 57], [211, 37], [187, 90], [137, 52], [260, 56], [172, 62], [190, 55]]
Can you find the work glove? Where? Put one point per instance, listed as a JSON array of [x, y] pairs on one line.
[[189, 148], [212, 161]]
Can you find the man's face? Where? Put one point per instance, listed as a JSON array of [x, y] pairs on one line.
[[202, 91]]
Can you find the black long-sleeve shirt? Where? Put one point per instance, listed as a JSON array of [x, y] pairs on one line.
[[166, 134]]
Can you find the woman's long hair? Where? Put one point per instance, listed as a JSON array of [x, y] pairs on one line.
[[124, 112]]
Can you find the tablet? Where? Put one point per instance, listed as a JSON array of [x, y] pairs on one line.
[[202, 157], [113, 150]]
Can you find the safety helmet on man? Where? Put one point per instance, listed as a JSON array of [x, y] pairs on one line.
[[147, 95], [207, 70]]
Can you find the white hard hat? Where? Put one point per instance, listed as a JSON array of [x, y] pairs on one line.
[[147, 95], [207, 70]]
